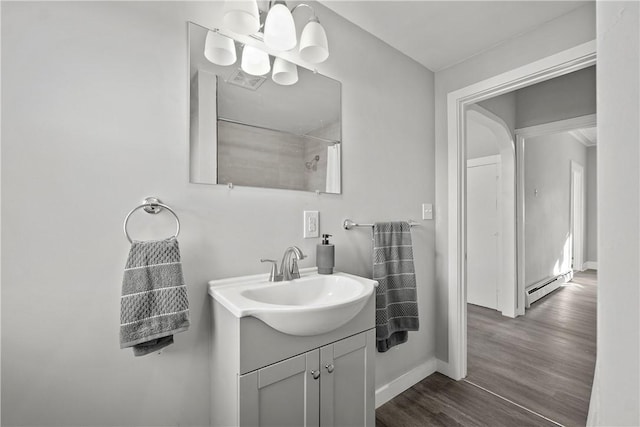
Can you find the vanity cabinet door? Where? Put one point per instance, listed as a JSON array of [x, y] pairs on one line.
[[347, 390], [283, 394]]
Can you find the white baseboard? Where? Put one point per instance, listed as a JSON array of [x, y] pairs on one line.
[[590, 265], [444, 368], [404, 382]]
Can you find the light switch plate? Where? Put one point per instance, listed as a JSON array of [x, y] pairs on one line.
[[427, 211], [311, 224]]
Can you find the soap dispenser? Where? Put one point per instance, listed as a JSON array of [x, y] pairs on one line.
[[325, 256]]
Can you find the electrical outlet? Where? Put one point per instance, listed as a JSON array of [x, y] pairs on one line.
[[427, 211], [311, 224]]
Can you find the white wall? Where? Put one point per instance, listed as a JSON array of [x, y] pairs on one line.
[[616, 391], [564, 97], [591, 181], [95, 117], [547, 228], [567, 31]]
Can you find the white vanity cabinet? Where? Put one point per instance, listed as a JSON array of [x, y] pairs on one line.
[[329, 386], [263, 377]]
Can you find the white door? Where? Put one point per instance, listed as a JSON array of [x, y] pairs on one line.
[[482, 234]]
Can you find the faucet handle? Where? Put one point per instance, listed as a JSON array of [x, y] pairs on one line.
[[273, 275]]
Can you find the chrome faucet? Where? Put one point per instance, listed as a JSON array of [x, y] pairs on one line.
[[288, 267]]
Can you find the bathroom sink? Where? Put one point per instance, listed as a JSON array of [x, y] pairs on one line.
[[311, 305]]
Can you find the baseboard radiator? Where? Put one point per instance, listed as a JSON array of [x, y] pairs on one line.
[[544, 287]]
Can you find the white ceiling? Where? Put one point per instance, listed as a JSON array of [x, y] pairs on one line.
[[438, 34]]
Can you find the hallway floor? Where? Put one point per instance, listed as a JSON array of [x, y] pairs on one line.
[[533, 370]]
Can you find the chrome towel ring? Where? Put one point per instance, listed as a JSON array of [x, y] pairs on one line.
[[153, 206]]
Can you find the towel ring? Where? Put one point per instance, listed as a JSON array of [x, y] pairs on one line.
[[153, 206]]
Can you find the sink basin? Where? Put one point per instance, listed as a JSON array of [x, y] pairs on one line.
[[311, 305]]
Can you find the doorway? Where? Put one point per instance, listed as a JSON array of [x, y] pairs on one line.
[[565, 208], [555, 65], [491, 246], [499, 342], [577, 216]]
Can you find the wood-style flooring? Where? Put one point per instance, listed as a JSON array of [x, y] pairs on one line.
[[542, 361], [440, 401]]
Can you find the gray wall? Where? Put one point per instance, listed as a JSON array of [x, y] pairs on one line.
[[547, 169], [95, 117], [616, 390], [479, 144], [567, 31], [481, 141], [565, 97], [591, 182], [503, 106]]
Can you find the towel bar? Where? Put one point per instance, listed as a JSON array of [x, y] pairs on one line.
[[348, 224], [151, 205]]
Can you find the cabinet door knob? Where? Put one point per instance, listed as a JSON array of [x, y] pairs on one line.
[[329, 367], [315, 374]]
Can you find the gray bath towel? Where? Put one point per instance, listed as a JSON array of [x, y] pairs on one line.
[[396, 302], [154, 303]]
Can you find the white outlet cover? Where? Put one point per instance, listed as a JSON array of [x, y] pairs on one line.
[[427, 211], [311, 224]]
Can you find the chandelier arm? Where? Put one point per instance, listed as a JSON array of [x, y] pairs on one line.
[[313, 12]]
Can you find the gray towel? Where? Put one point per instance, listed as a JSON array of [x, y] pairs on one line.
[[154, 303], [396, 302]]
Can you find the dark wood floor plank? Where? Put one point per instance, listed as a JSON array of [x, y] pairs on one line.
[[441, 401], [543, 360]]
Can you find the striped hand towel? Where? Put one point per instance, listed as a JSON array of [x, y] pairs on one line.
[[396, 302], [154, 303]]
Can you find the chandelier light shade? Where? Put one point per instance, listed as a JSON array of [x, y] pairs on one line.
[[255, 61], [284, 72], [242, 16], [219, 49], [314, 47], [278, 33], [279, 28]]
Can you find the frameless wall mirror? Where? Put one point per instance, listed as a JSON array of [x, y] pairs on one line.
[[267, 130]]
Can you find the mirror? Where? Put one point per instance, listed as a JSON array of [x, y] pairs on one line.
[[250, 131]]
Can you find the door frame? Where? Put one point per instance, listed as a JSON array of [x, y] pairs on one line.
[[577, 216], [556, 65]]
